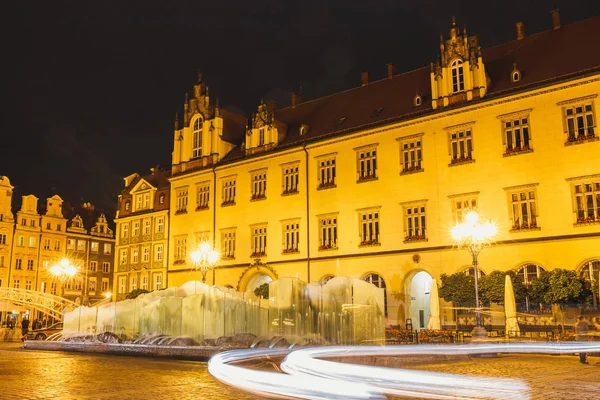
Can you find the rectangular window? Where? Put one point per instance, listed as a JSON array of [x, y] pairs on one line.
[[17, 284], [411, 154], [124, 256], [259, 185], [2, 262], [81, 245], [28, 285], [31, 242], [57, 245], [158, 256], [461, 146], [366, 162], [328, 232], [125, 230], [18, 263], [580, 121], [70, 244], [182, 201], [107, 248], [523, 207], [146, 254], [369, 227], [105, 285], [228, 192], [48, 225], [326, 172], [228, 246], [94, 247], [415, 226], [463, 204], [21, 241], [32, 222], [92, 285], [180, 249], [24, 221], [136, 228], [138, 202], [133, 283], [134, 256], [145, 282], [46, 244], [586, 196], [261, 136], [43, 287], [160, 224], [146, 200], [202, 195], [58, 227], [259, 241], [93, 266], [2, 238], [157, 281], [147, 224], [122, 284], [290, 179], [291, 236], [517, 137], [29, 265], [106, 267]]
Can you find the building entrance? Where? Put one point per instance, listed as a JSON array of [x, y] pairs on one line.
[[420, 286]]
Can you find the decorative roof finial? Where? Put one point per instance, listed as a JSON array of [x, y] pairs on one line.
[[199, 76], [453, 20], [176, 121]]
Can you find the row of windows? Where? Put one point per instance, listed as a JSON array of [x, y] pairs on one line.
[[142, 201], [523, 214], [144, 228], [141, 256], [122, 286], [516, 138], [77, 284]]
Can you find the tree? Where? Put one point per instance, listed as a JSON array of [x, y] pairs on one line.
[[539, 288], [458, 288], [135, 293], [564, 287], [491, 287], [262, 291]]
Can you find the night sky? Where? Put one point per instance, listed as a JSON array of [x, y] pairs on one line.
[[92, 87]]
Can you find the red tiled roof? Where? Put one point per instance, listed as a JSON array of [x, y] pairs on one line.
[[542, 57]]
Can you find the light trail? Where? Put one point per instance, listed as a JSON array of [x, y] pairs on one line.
[[309, 376]]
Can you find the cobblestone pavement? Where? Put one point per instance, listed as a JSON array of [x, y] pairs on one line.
[[37, 375]]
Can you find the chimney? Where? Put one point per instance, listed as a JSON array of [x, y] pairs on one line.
[[296, 99], [364, 78], [520, 30], [390, 70], [555, 18], [271, 106]]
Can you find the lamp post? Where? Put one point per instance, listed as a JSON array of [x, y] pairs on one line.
[[63, 271], [204, 259], [473, 236]]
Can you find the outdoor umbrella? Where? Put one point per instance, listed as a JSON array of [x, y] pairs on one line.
[[510, 308], [434, 307]]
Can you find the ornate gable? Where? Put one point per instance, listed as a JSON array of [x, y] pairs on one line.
[[265, 131], [101, 228], [458, 75], [199, 104]]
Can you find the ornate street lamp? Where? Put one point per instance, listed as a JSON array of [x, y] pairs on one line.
[[473, 236], [63, 271], [204, 259]]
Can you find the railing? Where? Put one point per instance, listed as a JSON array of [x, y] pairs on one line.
[[49, 304]]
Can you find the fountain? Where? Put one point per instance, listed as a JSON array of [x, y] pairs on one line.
[[342, 311]]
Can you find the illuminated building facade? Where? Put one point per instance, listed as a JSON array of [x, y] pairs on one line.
[[369, 181], [142, 233]]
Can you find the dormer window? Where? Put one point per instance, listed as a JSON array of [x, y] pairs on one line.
[[417, 101], [303, 130], [161, 198], [515, 74], [127, 205], [197, 143], [458, 79], [261, 136]]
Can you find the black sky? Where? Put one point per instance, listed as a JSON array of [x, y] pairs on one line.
[[92, 86]]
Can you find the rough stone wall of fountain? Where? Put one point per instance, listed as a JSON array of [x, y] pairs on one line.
[[342, 311]]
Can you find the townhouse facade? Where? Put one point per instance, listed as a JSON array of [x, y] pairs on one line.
[[142, 232], [368, 182]]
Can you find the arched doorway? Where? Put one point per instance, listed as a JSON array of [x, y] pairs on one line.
[[418, 311], [256, 280], [378, 281]]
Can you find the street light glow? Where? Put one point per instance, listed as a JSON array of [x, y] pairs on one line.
[[204, 258]]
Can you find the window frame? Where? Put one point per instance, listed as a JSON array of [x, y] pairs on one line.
[[327, 171], [228, 190], [509, 146], [584, 133], [463, 199], [369, 226], [405, 152], [457, 76], [533, 221], [415, 232], [228, 243], [181, 200], [367, 163], [328, 231], [258, 184], [290, 236], [290, 178], [582, 217], [464, 134], [202, 195], [197, 137], [258, 240]]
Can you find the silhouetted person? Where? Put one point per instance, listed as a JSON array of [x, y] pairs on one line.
[[581, 332], [25, 327]]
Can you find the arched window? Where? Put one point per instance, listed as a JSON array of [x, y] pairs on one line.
[[529, 273], [591, 271], [471, 272], [161, 198], [458, 79], [380, 283], [127, 205], [197, 143]]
